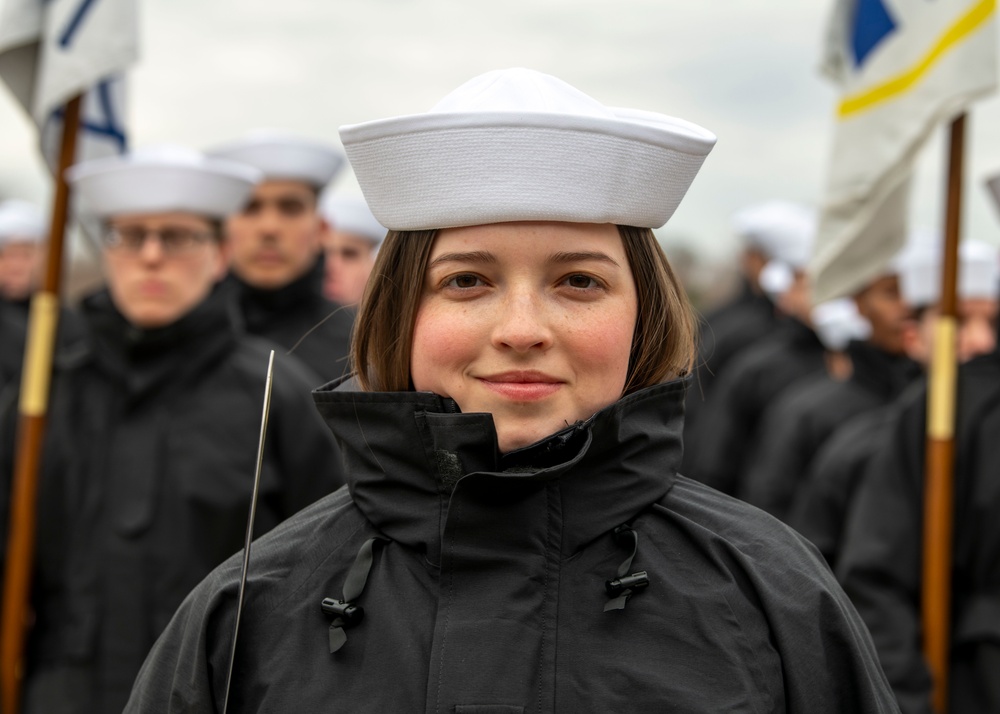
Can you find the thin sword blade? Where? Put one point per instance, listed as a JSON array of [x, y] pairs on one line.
[[253, 513]]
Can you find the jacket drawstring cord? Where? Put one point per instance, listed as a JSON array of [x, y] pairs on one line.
[[622, 587], [344, 612]]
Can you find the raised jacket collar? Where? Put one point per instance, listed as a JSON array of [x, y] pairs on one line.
[[879, 372], [405, 452], [259, 305], [146, 361]]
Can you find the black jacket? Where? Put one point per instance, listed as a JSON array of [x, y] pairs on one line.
[[880, 564], [145, 487], [730, 329], [827, 494], [486, 591], [13, 328], [795, 426], [13, 333], [300, 319], [725, 332], [727, 429]]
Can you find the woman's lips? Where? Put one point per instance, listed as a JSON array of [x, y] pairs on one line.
[[522, 386]]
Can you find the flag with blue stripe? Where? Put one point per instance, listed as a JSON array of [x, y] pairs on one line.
[[53, 50]]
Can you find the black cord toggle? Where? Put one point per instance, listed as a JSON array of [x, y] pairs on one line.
[[623, 586], [347, 613], [630, 582], [344, 613], [624, 534]]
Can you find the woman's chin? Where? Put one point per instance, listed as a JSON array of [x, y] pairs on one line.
[[521, 435]]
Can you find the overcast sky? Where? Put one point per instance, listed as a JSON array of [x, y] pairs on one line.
[[745, 69]]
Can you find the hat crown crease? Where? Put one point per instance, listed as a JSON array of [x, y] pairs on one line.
[[520, 90]]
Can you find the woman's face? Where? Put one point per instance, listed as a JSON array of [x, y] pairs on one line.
[[531, 322]]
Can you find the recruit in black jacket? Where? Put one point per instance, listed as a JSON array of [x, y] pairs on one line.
[[795, 426], [881, 565], [728, 425], [484, 580], [298, 318], [145, 486], [725, 333]]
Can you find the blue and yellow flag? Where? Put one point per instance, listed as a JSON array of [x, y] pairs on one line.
[[903, 67]]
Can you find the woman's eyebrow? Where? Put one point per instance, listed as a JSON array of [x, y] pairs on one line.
[[476, 256], [577, 256], [482, 256]]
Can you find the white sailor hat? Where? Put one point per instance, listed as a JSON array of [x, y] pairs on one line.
[[782, 230], [921, 245], [21, 221], [280, 155], [516, 144], [978, 272], [351, 214], [838, 322], [776, 278], [162, 179]]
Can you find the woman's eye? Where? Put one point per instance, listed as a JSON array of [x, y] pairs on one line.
[[581, 281], [464, 281]]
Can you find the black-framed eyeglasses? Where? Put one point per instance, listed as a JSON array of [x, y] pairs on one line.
[[173, 239]]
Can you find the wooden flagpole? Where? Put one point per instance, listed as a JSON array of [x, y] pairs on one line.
[[939, 495], [37, 375]]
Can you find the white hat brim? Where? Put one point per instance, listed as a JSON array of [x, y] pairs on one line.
[[21, 221], [123, 188], [283, 157], [350, 214], [443, 170], [978, 273]]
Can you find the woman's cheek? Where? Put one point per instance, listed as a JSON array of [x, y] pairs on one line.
[[443, 340], [603, 338]]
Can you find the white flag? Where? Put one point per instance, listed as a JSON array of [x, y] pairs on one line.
[[52, 50], [904, 67]]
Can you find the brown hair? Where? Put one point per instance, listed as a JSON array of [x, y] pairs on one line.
[[662, 343]]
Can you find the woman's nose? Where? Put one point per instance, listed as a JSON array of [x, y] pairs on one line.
[[522, 323]]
